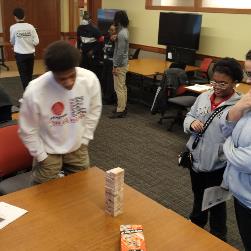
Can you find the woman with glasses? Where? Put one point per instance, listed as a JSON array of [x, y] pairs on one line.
[[237, 176], [247, 72], [209, 161]]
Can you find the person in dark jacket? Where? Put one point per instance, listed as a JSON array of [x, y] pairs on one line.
[[109, 96], [89, 41]]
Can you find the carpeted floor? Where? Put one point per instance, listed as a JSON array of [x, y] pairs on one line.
[[147, 152]]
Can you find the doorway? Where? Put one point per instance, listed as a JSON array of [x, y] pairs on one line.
[[77, 8], [43, 15]]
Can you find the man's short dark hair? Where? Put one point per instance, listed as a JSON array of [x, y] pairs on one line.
[[121, 18], [86, 16], [248, 55], [231, 67], [61, 56], [19, 13]]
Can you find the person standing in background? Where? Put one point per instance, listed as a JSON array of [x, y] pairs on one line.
[[120, 63], [89, 42], [24, 38], [247, 71]]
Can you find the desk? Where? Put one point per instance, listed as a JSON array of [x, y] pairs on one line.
[[152, 66], [68, 214], [147, 69], [2, 59], [240, 87]]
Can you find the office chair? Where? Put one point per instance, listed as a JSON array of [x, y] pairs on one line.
[[15, 160], [184, 103], [201, 76], [172, 91]]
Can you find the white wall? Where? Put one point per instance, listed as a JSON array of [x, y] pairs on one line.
[[1, 25], [221, 35], [64, 8]]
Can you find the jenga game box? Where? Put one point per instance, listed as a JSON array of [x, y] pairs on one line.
[[132, 238]]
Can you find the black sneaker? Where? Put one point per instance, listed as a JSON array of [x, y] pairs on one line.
[[118, 115], [115, 110]]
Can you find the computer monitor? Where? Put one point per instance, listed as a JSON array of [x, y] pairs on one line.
[[179, 29]]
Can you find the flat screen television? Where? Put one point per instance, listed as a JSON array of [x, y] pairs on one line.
[[179, 29], [105, 19]]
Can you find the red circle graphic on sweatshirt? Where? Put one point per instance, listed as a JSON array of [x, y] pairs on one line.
[[57, 108]]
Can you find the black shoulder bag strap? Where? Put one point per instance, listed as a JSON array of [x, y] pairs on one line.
[[207, 123]]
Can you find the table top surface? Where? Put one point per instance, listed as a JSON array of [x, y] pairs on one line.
[[240, 87], [68, 214], [151, 66]]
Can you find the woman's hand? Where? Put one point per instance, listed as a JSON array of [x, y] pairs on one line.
[[197, 125], [245, 102], [236, 112]]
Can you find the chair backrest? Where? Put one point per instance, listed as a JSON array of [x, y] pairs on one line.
[[205, 64], [172, 84], [173, 81], [13, 154]]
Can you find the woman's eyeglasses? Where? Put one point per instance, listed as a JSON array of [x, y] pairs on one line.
[[221, 85]]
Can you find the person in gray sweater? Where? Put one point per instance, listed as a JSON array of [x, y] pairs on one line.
[[120, 63], [237, 176], [209, 161]]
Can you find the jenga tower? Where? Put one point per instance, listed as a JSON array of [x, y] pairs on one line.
[[114, 191]]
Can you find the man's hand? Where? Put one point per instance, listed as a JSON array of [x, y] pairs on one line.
[[114, 71], [197, 126], [113, 37]]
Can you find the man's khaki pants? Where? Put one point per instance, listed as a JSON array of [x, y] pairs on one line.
[[120, 87], [50, 168]]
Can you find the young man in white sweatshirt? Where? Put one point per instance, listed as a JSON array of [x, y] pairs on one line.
[[24, 38], [59, 113]]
